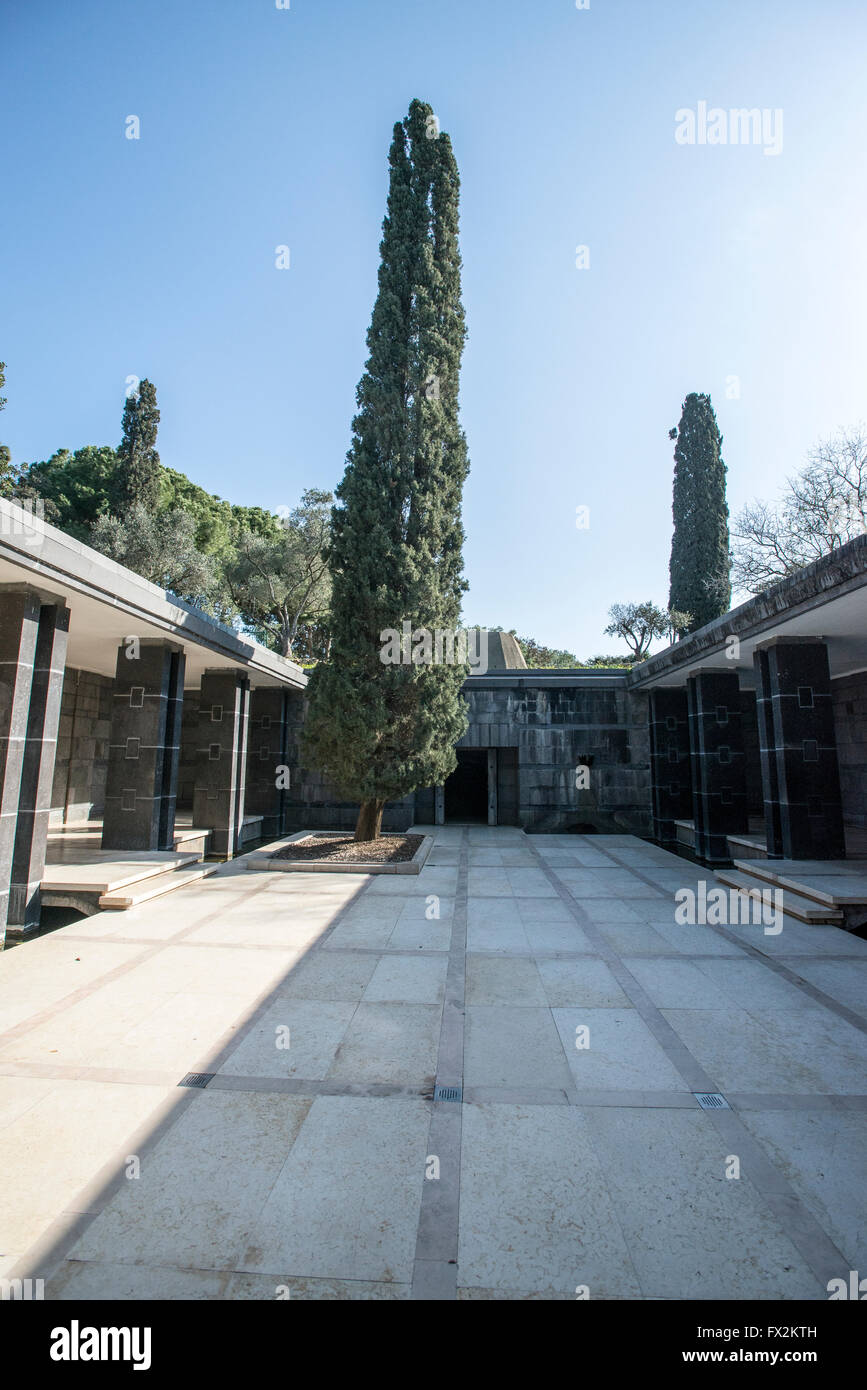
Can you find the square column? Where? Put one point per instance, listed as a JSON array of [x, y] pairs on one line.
[[34, 628], [267, 751], [719, 792], [798, 750], [670, 772], [221, 758], [144, 747], [492, 786]]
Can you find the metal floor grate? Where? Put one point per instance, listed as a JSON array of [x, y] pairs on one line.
[[199, 1079], [448, 1093], [711, 1100]]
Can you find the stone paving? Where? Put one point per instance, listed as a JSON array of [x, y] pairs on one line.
[[324, 1168]]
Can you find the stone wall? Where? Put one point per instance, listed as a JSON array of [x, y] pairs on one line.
[[552, 730], [314, 803], [849, 695], [190, 740], [78, 792], [752, 760], [556, 728]]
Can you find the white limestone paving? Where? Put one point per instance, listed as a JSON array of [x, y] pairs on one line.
[[308, 1166]]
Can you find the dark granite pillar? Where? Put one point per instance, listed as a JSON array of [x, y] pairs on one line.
[[144, 747], [267, 752], [221, 760], [719, 795], [670, 775], [33, 636], [798, 750], [19, 626]]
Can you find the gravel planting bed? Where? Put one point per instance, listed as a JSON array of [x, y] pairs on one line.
[[329, 848]]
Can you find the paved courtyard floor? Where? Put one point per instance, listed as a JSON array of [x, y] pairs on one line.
[[547, 976]]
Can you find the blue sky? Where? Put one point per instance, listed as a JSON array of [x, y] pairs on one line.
[[262, 127]]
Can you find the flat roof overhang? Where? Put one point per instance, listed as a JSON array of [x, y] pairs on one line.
[[827, 600], [108, 603], [529, 678]]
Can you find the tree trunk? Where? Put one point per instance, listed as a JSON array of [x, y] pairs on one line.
[[369, 821]]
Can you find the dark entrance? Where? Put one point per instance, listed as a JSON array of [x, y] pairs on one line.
[[466, 791]]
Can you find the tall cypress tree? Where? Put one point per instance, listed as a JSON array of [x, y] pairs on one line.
[[138, 473], [381, 730], [700, 561]]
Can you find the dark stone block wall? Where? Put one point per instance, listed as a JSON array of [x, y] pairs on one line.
[[752, 761], [849, 695], [189, 745], [556, 729], [551, 729], [314, 803], [78, 793]]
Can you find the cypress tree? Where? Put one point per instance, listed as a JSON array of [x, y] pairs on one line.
[[381, 730], [138, 472], [700, 561]]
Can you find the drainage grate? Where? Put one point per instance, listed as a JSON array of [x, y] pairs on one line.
[[448, 1092], [197, 1078], [711, 1100]]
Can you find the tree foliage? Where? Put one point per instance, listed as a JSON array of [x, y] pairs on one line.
[[536, 654], [137, 480], [700, 562], [161, 547], [180, 536], [279, 582], [380, 730], [641, 624], [76, 488]]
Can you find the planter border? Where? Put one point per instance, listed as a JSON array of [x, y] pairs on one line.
[[264, 858]]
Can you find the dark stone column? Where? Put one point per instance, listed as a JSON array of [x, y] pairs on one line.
[[719, 794], [144, 747], [267, 751], [670, 774], [33, 634], [798, 749], [221, 763], [19, 626]]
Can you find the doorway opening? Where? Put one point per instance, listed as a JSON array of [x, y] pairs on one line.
[[466, 791]]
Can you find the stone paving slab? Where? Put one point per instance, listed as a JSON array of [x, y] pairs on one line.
[[327, 1006]]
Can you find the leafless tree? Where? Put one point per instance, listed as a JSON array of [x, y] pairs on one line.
[[823, 506]]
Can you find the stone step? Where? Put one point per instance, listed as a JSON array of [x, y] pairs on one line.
[[793, 904], [108, 873], [251, 829], [156, 887], [193, 842], [747, 846], [833, 883]]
